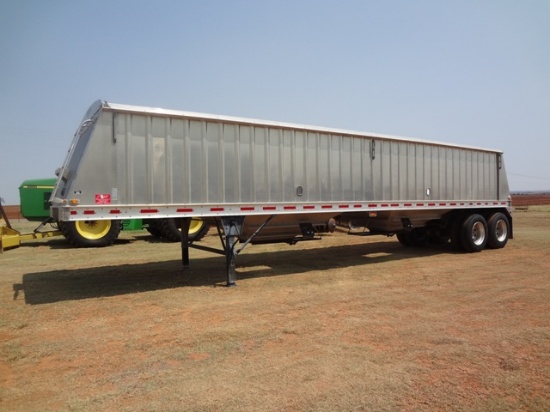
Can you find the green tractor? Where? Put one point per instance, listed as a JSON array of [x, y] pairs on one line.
[[34, 199]]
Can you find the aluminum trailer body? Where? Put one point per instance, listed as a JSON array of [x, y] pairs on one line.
[[129, 162]]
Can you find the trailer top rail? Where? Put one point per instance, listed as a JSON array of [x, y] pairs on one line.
[[151, 111]]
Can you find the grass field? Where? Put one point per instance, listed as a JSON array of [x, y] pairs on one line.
[[346, 323]]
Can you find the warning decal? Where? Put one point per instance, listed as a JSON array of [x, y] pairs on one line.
[[103, 199]]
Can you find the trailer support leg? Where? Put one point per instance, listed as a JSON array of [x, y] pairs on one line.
[[232, 227], [185, 224]]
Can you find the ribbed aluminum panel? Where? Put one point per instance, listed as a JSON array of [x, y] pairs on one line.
[[140, 156]]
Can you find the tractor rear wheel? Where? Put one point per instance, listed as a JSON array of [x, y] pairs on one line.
[[91, 233], [171, 229]]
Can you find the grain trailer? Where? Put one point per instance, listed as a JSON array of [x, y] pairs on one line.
[[264, 181]]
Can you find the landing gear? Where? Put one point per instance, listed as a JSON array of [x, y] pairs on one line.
[[229, 230], [232, 227]]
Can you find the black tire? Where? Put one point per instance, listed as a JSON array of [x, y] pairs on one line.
[[474, 233], [170, 229], [154, 231], [454, 233], [91, 233], [499, 231]]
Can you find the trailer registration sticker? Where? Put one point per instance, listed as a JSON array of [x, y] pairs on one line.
[[102, 199]]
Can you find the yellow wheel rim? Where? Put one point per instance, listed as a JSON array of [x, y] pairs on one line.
[[93, 229], [195, 226]]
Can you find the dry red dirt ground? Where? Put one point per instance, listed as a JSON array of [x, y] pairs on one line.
[[345, 323], [13, 211], [531, 199]]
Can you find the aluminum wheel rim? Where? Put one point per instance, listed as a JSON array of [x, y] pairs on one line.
[[501, 230], [478, 233], [195, 226]]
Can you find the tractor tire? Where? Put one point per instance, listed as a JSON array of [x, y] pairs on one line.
[[170, 229], [91, 233], [154, 231]]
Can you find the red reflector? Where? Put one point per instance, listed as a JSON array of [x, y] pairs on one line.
[[443, 204], [384, 205], [289, 208], [395, 205], [217, 209], [343, 206], [326, 206], [357, 206], [149, 211], [185, 210], [73, 212], [309, 207], [89, 212], [114, 211], [420, 204], [431, 204], [247, 208], [269, 208], [408, 204], [372, 204], [453, 204]]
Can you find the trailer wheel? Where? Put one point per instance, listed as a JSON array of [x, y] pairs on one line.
[[454, 231], [499, 231], [91, 233], [170, 229], [474, 233]]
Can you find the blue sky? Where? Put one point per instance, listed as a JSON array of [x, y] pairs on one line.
[[465, 72]]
